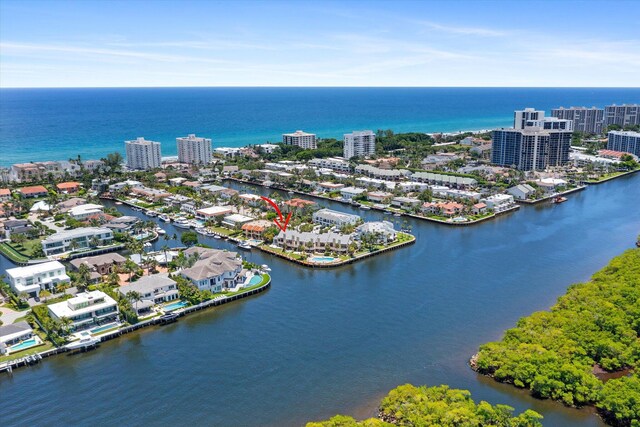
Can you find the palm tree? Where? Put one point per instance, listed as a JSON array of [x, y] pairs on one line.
[[129, 267], [62, 287], [152, 264], [94, 242], [65, 324], [113, 279], [135, 297], [164, 249], [73, 245], [84, 276]]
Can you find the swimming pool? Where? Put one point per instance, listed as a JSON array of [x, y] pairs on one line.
[[24, 344], [103, 328], [321, 259], [175, 306], [254, 280]]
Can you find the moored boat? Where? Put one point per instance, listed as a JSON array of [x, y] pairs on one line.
[[182, 223], [83, 343], [245, 246], [164, 218], [559, 199]]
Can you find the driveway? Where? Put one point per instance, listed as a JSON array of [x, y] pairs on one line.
[[8, 316]]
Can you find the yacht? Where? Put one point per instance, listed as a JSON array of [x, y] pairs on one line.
[[164, 218], [182, 223], [201, 230], [265, 267], [160, 231], [365, 208], [152, 213], [245, 246], [397, 214], [83, 343], [215, 236]]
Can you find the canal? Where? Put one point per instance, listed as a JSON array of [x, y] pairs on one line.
[[322, 342]]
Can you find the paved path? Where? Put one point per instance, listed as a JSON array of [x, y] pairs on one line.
[[8, 315]]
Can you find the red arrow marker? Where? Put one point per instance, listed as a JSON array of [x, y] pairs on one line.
[[282, 225]]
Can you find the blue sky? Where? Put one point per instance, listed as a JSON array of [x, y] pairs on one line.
[[297, 43]]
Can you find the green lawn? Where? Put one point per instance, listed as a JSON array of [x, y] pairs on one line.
[[225, 231], [28, 247], [11, 253]]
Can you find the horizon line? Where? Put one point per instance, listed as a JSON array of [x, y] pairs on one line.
[[320, 87]]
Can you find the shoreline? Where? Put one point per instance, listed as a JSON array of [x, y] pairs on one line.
[[35, 358]]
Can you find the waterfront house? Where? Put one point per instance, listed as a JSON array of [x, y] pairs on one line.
[[522, 191], [348, 193], [13, 334], [448, 209], [328, 217], [215, 270], [82, 212], [405, 202], [382, 231], [499, 202], [313, 242], [335, 163], [235, 221], [37, 277], [35, 191], [213, 212], [61, 241], [122, 224], [86, 309], [479, 208], [100, 265], [299, 205], [329, 186], [379, 196], [255, 229], [68, 187], [153, 289]]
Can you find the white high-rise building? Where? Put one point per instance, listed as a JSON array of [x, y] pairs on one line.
[[301, 139], [143, 154], [359, 143], [521, 117], [194, 150]]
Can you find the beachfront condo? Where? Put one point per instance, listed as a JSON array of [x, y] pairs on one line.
[[300, 138], [142, 154], [194, 150], [359, 143]]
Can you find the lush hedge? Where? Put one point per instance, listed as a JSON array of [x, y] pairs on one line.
[[554, 353], [440, 406]]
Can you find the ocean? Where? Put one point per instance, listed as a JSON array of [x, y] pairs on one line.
[[58, 124]]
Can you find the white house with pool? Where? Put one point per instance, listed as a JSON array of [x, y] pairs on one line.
[[86, 309], [215, 270]]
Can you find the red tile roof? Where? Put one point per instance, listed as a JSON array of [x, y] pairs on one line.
[[33, 190]]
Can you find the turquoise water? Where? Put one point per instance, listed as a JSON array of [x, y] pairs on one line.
[[255, 280], [323, 259], [57, 124], [103, 328], [24, 344], [175, 306]]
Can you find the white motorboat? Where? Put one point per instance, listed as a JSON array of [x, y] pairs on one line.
[[215, 236], [152, 213], [201, 231], [83, 343], [160, 231], [164, 218], [182, 223], [245, 246], [397, 214], [265, 267]]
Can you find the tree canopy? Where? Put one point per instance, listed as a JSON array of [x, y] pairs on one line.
[[595, 325], [436, 406]]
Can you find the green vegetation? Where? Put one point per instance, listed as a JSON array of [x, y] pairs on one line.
[[12, 254], [436, 406], [189, 238], [595, 324]]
